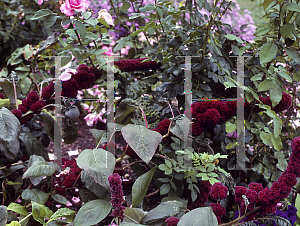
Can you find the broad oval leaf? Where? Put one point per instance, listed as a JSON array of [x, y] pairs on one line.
[[90, 184], [142, 140], [92, 213], [203, 216], [163, 211], [17, 208], [295, 55], [40, 14], [140, 187], [10, 128], [181, 127], [3, 215], [39, 169], [268, 52], [98, 163], [275, 95], [35, 195], [135, 214], [38, 212]]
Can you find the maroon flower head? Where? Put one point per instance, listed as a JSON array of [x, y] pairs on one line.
[[251, 196], [197, 129], [284, 104], [263, 196], [36, 107], [17, 113], [218, 191], [205, 188], [172, 221], [83, 67], [25, 103], [222, 108], [239, 191], [46, 94], [219, 210], [32, 97], [69, 88], [115, 183], [231, 108], [95, 72], [136, 65], [210, 118], [23, 109], [256, 186], [2, 96], [26, 118]]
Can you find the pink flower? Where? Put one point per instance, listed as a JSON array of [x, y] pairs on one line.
[[109, 52], [93, 118], [66, 75], [103, 14], [70, 6], [40, 2]]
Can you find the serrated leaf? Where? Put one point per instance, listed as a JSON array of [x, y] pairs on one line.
[[135, 214], [40, 14], [140, 187], [180, 127], [79, 26], [98, 163], [275, 95], [92, 213], [49, 21]]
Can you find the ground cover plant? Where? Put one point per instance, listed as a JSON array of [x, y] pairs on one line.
[[171, 181]]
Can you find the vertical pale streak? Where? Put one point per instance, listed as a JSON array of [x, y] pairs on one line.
[[110, 104], [58, 124], [188, 96], [240, 114]]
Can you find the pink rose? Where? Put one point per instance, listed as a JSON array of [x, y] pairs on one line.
[[70, 6], [40, 2]]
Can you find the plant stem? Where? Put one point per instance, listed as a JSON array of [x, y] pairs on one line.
[[37, 86], [240, 218], [83, 45], [25, 217], [15, 91], [14, 164], [146, 123]]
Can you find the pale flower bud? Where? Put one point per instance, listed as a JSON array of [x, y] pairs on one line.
[[103, 14]]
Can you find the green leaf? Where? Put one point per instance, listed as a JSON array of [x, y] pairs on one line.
[[77, 54], [126, 5], [140, 187], [66, 59], [276, 142], [8, 88], [17, 208], [50, 20], [142, 140], [275, 95], [297, 205], [33, 145], [13, 223], [295, 55], [164, 189], [293, 7], [268, 52], [230, 127], [135, 214], [286, 30], [79, 26], [127, 106], [266, 85], [86, 15], [25, 85], [59, 198], [4, 72], [49, 121], [9, 133], [90, 184], [51, 40], [63, 212], [162, 212], [266, 138], [285, 76], [203, 216], [35, 195], [93, 21], [40, 14], [233, 37], [266, 3], [98, 163], [277, 126], [181, 127], [3, 215], [92, 213], [38, 212], [99, 135]]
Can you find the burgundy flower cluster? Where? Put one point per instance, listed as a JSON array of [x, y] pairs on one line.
[[267, 198], [219, 211], [33, 103], [115, 183], [207, 114], [48, 91], [283, 105], [205, 188], [136, 65], [67, 180], [218, 191], [172, 221]]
